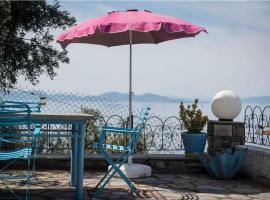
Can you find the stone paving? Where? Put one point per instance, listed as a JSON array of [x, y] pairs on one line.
[[190, 186]]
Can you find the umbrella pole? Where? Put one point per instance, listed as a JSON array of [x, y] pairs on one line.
[[130, 80]]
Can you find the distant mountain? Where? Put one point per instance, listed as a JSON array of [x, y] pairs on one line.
[[259, 99], [150, 97], [147, 97], [117, 96]]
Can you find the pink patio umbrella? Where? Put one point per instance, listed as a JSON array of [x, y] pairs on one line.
[[129, 27]]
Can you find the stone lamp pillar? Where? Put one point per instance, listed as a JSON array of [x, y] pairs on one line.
[[225, 133]]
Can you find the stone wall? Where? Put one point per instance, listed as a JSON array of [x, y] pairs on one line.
[[257, 163], [158, 162]]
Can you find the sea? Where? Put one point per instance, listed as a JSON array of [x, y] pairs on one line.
[[165, 110], [159, 109]]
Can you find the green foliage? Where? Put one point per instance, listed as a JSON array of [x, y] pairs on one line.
[[92, 128], [191, 115], [26, 40], [5, 17], [142, 143]]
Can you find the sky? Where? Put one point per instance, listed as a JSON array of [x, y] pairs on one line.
[[233, 55]]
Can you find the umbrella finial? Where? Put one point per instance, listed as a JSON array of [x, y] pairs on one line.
[[132, 10]]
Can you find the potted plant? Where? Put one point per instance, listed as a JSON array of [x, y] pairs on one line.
[[193, 122]]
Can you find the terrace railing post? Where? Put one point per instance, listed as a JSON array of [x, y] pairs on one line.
[[144, 141], [162, 136], [253, 127], [262, 125]]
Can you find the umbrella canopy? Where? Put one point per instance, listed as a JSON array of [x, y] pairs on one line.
[[129, 27], [113, 29]]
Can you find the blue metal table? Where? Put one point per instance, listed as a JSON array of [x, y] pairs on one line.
[[78, 122]]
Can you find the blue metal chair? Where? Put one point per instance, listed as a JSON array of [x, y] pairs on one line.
[[125, 151], [17, 142], [34, 107]]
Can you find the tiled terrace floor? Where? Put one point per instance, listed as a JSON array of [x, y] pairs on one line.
[[53, 185]]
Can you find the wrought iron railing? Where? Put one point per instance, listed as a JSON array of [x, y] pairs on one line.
[[161, 135], [256, 120]]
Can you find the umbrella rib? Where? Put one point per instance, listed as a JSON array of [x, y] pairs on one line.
[[152, 36]]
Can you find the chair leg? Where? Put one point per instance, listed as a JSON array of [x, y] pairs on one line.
[[107, 177], [109, 171], [10, 190], [104, 177], [116, 168], [29, 178], [128, 182], [7, 165], [28, 188]]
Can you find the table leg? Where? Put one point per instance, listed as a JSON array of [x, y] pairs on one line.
[[79, 188], [74, 156]]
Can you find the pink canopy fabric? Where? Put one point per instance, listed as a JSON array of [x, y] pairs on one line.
[[113, 29]]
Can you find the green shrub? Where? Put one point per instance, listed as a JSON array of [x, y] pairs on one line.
[[91, 128], [192, 118]]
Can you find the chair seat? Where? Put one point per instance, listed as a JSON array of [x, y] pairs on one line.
[[111, 146], [14, 154]]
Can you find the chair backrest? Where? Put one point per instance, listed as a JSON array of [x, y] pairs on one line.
[[14, 114], [140, 121], [34, 106], [139, 125]]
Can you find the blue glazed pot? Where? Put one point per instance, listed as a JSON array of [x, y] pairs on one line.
[[194, 142]]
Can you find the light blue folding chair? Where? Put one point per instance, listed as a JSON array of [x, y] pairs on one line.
[[34, 107], [17, 142], [125, 151]]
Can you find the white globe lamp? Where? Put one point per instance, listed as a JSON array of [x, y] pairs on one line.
[[226, 105]]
